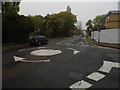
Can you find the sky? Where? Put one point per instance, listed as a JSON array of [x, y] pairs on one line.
[[83, 10]]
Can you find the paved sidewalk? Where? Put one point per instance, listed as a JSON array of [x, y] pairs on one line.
[[107, 45]]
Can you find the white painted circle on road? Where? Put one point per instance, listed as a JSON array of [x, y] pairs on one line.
[[46, 52]]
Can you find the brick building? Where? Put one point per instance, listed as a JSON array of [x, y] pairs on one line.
[[113, 19]]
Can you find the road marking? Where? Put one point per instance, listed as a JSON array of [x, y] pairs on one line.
[[116, 65], [22, 50], [22, 60], [107, 66], [74, 50], [45, 52], [96, 76], [18, 58], [31, 49], [41, 47], [81, 43], [81, 84]]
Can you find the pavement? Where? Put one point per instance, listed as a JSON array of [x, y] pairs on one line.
[[102, 44], [80, 65]]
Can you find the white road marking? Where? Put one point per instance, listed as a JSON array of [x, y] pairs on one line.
[[81, 84], [36, 60], [18, 58], [22, 60], [116, 65], [22, 50], [31, 49], [46, 52], [96, 76], [81, 43], [41, 47], [74, 50], [107, 66]]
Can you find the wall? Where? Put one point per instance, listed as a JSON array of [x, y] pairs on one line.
[[108, 35]]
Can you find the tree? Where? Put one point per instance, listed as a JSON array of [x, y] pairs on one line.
[[9, 16], [23, 28], [69, 21], [15, 28], [10, 7], [89, 27], [60, 24], [53, 25], [99, 20], [38, 23]]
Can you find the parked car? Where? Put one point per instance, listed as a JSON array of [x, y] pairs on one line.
[[38, 40]]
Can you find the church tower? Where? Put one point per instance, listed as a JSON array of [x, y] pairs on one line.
[[68, 9]]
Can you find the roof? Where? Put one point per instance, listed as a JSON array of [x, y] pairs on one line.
[[113, 12]]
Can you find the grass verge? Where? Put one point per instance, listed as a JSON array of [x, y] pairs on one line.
[[13, 46]]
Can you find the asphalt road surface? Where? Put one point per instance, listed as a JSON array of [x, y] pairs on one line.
[[77, 66]]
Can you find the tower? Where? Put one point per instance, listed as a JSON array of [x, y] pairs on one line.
[[68, 9]]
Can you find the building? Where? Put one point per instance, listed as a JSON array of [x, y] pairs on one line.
[[113, 19], [68, 9]]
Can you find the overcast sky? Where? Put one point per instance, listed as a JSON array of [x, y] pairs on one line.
[[83, 10]]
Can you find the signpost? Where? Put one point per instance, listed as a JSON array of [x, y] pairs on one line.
[[99, 32]]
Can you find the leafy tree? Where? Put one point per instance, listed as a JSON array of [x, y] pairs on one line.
[[89, 27], [9, 16], [69, 20], [38, 23], [53, 25], [24, 27], [10, 7], [99, 20], [15, 28], [60, 24]]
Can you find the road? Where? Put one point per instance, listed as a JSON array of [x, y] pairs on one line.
[[74, 64]]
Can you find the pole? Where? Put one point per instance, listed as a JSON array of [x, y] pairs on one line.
[[99, 37]]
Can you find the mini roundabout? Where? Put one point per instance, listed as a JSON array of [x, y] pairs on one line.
[[36, 54]]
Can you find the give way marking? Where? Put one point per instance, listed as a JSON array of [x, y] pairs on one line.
[[96, 76], [108, 65]]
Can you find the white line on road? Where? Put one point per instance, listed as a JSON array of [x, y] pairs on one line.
[[22, 60], [96, 76], [81, 85], [72, 49], [31, 48]]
